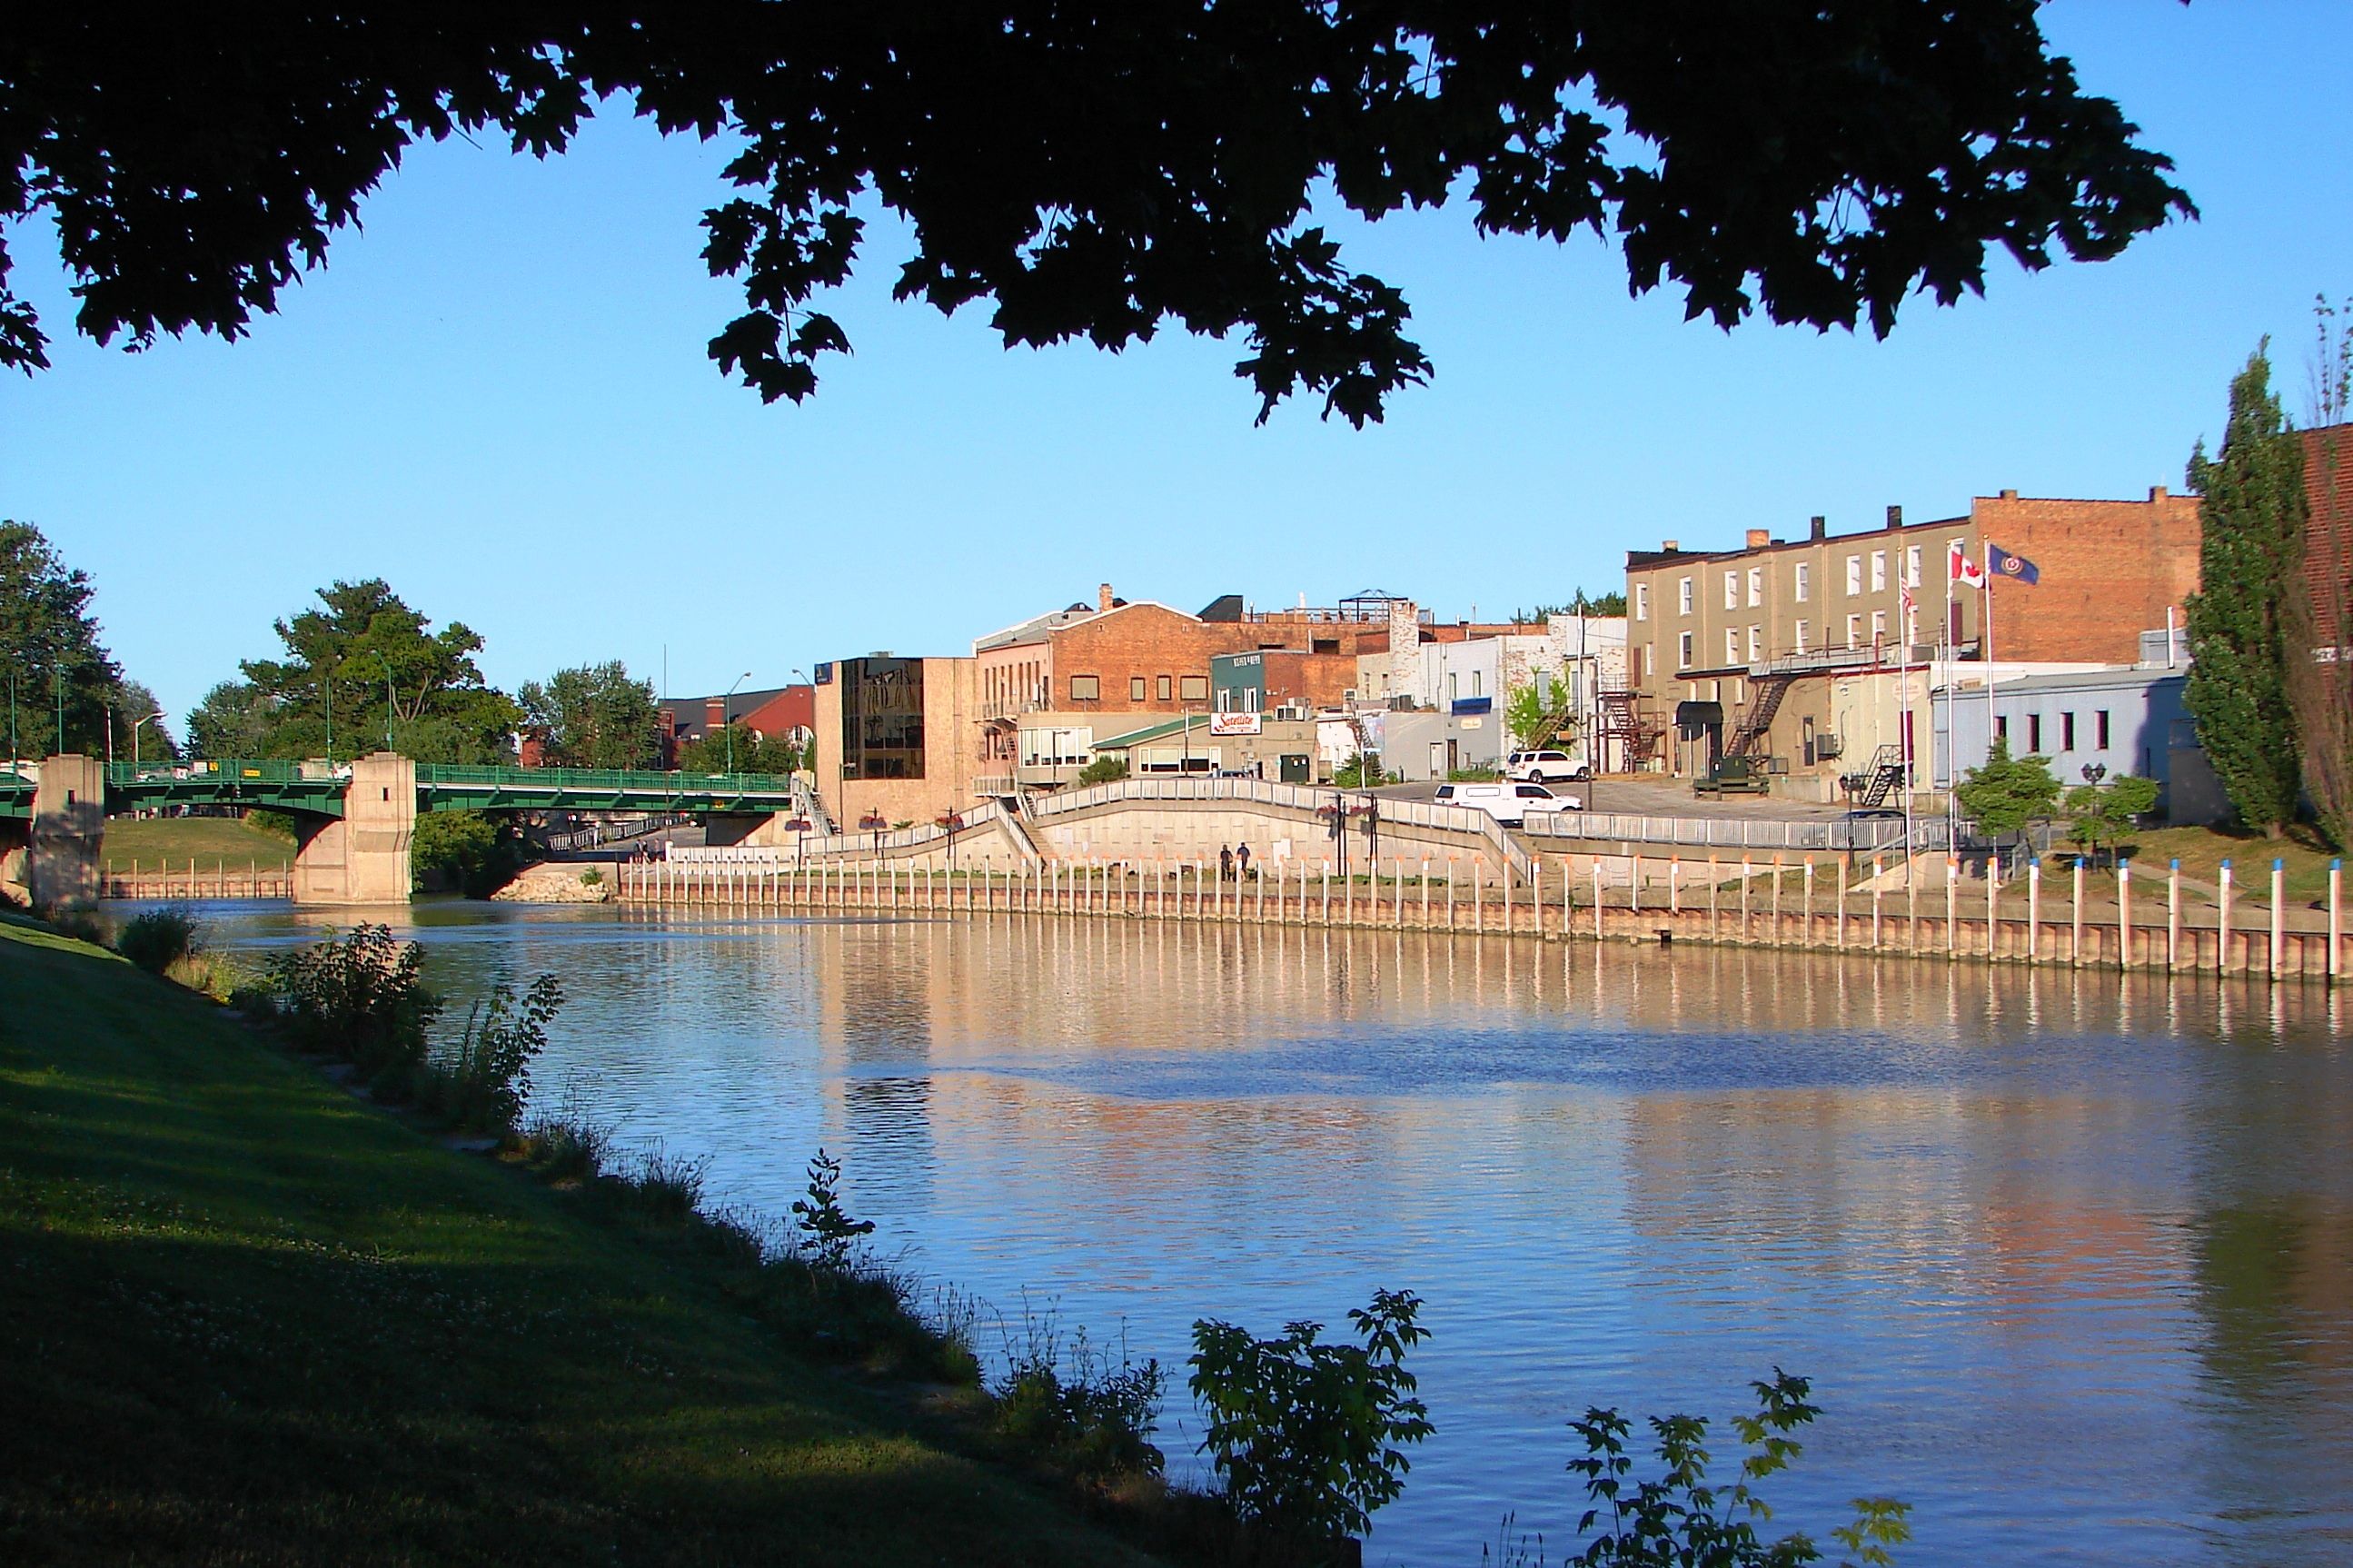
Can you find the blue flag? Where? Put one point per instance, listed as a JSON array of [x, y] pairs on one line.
[[2000, 562]]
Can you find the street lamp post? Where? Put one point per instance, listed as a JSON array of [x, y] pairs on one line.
[[729, 722], [798, 828], [390, 705], [134, 737]]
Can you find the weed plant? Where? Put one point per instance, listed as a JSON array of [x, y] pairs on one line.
[[482, 1080], [155, 939], [1064, 1396]]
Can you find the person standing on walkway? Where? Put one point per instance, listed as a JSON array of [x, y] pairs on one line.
[[1241, 861], [1225, 863]]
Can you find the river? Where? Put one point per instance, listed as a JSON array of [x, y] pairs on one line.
[[2069, 1258]]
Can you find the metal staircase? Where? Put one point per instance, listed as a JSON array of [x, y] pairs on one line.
[[1869, 790], [1755, 725], [1626, 719]]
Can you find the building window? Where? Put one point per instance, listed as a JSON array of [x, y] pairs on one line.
[[1731, 646], [1194, 689], [1854, 631], [1912, 565], [1855, 573], [1803, 583], [2001, 727], [1684, 595], [2066, 731], [1879, 626], [2100, 728], [1649, 662], [1802, 637], [1454, 681], [1756, 586], [1755, 644], [1732, 590], [1086, 687], [1642, 601], [1879, 571], [1136, 688], [1160, 687], [881, 718], [1683, 652]]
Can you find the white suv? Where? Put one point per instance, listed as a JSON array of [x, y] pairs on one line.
[[1508, 803], [1542, 767]]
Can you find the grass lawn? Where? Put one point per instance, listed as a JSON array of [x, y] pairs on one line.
[[251, 1319], [2202, 850], [213, 840]]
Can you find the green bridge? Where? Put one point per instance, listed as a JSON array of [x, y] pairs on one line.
[[353, 821]]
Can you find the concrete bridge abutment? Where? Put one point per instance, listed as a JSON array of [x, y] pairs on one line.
[[363, 857], [69, 830]]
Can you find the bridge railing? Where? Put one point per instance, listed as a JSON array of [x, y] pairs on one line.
[[1862, 835], [225, 770], [614, 781]]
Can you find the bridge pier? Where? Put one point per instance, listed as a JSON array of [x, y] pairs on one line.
[[362, 856], [69, 827]]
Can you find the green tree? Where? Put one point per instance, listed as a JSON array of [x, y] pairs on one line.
[[134, 705], [235, 720], [1166, 164], [1105, 769], [2251, 513], [50, 639], [367, 664], [752, 752], [2008, 791], [1362, 770], [2105, 814], [465, 850], [594, 716], [1580, 602]]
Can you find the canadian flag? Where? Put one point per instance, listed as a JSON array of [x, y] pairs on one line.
[[1961, 569]]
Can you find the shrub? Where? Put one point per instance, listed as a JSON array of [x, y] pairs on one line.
[[82, 925], [827, 1235], [277, 823], [156, 939], [1069, 1399], [360, 997], [592, 878], [568, 1148], [1104, 771], [1679, 1518], [482, 1080], [669, 1187], [1304, 1434], [468, 850]]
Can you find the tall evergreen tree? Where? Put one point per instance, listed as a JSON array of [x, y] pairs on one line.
[[2251, 513], [60, 676]]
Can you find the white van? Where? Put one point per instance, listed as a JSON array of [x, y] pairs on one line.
[[1509, 802]]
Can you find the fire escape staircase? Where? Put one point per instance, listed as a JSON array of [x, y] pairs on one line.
[[1628, 720], [1755, 725], [1869, 790]]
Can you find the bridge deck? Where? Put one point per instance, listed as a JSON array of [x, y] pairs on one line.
[[318, 788]]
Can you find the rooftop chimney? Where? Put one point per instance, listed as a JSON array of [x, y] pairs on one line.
[[2009, 494], [714, 714], [1668, 546], [1894, 517], [2157, 492], [1759, 538], [1821, 527], [1103, 598]]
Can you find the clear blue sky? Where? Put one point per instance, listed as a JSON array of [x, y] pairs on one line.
[[496, 398]]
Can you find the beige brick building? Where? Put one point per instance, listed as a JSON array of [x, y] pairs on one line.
[[1794, 650]]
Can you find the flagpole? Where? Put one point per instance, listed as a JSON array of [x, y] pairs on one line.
[[1985, 586], [1904, 721]]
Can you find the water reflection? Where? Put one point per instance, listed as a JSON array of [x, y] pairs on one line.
[[2069, 1255]]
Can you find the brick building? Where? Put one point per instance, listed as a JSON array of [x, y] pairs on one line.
[[1795, 650], [783, 712], [893, 736], [2328, 539]]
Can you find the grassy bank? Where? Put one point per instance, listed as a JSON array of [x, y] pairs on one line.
[[149, 843], [254, 1319]]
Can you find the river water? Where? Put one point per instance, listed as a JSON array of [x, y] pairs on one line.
[[2069, 1258]]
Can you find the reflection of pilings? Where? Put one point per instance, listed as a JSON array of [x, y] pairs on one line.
[[1829, 913]]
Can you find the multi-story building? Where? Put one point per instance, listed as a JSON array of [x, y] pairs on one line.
[[894, 737], [1049, 687], [1803, 651]]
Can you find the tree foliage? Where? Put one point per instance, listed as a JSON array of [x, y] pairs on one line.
[[1096, 172], [594, 716], [1580, 602], [361, 669], [752, 752], [2252, 513], [2008, 793], [2105, 814], [50, 642]]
